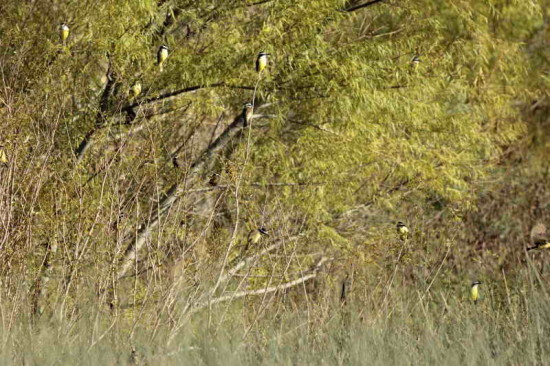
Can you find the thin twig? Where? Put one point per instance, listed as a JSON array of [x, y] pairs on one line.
[[397, 262]]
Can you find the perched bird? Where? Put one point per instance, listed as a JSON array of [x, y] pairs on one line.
[[3, 157], [248, 112], [415, 61], [135, 90], [261, 61], [539, 237], [474, 291], [402, 230], [63, 32], [255, 236], [162, 55]]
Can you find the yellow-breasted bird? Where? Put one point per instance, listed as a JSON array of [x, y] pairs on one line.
[[474, 291], [248, 112], [415, 61], [135, 90], [539, 237], [3, 157], [261, 61], [63, 33], [402, 230], [162, 55], [255, 236]]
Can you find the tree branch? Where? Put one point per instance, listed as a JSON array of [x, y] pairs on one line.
[[230, 273], [236, 295], [275, 184], [175, 192], [189, 89], [100, 118], [87, 140], [260, 2], [361, 6]]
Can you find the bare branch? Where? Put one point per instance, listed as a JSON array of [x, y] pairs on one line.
[[85, 144], [129, 109], [260, 2], [175, 192], [101, 114], [276, 184], [236, 295], [247, 260], [361, 6], [188, 89]]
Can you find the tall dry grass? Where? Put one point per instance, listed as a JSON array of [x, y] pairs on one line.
[[438, 326]]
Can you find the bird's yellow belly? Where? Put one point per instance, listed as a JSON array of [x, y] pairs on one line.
[[475, 293], [262, 63]]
